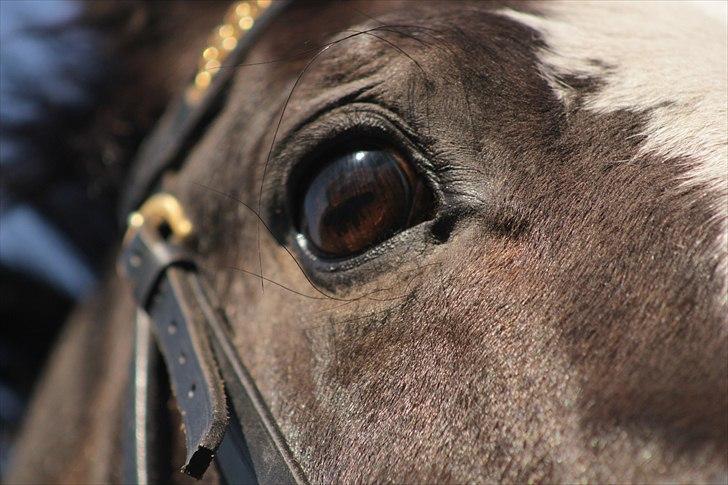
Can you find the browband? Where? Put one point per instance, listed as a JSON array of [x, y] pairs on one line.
[[223, 415], [187, 117]]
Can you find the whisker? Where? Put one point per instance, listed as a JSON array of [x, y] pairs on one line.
[[290, 254], [398, 49], [389, 27], [260, 219], [283, 111], [245, 271]]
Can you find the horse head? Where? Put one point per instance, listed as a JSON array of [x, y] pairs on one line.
[[454, 242]]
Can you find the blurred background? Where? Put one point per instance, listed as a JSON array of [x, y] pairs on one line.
[[55, 228]]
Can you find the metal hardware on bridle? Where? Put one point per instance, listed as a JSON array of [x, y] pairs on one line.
[[186, 118], [223, 415]]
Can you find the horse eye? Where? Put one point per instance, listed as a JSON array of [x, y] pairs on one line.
[[361, 199]]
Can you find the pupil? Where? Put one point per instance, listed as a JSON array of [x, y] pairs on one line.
[[355, 202], [342, 215]]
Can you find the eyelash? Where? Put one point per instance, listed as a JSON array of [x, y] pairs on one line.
[[352, 128]]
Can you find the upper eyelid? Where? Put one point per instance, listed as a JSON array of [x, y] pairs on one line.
[[367, 119], [314, 114], [363, 119]]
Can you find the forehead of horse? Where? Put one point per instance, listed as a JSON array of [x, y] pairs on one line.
[[464, 63], [636, 83], [666, 60]]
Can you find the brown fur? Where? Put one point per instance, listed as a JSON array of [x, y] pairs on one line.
[[561, 319]]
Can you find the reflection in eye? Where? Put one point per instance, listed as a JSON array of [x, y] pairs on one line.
[[361, 199]]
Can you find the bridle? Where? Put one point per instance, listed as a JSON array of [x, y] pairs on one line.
[[223, 415]]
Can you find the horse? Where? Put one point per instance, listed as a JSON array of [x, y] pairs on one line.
[[455, 242]]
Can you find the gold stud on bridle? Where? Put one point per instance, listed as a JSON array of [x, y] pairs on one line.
[[239, 19]]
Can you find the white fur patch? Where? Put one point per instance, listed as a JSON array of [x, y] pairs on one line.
[[669, 60]]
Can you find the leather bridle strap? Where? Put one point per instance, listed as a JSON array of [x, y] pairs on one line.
[[196, 343], [187, 117], [177, 315]]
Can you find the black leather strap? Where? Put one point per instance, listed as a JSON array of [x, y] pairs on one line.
[[269, 455], [194, 337], [179, 329], [158, 272]]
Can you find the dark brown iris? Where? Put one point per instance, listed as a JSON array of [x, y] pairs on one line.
[[359, 200]]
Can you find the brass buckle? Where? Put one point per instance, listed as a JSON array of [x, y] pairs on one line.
[[161, 210]]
